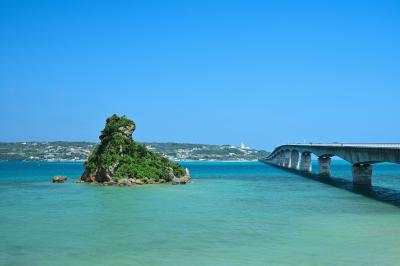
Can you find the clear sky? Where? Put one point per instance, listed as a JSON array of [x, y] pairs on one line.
[[218, 72]]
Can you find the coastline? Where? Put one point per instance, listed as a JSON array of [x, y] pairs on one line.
[[185, 161], [217, 161]]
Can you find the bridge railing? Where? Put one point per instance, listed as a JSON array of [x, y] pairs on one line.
[[366, 145], [354, 145]]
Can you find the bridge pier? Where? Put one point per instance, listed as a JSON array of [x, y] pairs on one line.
[[280, 158], [288, 159], [305, 162], [362, 174], [282, 162], [295, 162], [324, 166]]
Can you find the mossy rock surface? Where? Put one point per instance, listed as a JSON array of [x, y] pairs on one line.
[[118, 156]]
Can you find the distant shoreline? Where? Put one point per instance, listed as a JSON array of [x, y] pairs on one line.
[[63, 151], [186, 161], [216, 161]]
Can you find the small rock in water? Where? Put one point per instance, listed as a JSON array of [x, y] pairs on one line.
[[151, 181], [110, 183], [182, 180], [138, 182], [124, 182], [59, 179]]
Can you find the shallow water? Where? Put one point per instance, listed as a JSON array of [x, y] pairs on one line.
[[232, 214]]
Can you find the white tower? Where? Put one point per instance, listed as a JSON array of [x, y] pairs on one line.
[[242, 145]]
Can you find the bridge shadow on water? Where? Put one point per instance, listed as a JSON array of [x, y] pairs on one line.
[[382, 194]]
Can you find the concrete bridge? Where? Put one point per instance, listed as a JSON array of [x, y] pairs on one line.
[[362, 156]]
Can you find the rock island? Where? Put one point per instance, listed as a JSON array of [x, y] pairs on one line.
[[119, 160]]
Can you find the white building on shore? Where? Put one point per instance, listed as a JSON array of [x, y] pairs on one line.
[[243, 147]]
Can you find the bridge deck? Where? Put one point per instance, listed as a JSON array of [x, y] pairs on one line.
[[298, 157]]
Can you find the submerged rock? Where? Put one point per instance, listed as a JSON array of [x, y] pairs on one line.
[[59, 179]]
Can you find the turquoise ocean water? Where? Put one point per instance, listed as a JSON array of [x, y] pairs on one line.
[[232, 214]]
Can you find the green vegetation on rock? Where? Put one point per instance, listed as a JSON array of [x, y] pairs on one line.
[[118, 157]]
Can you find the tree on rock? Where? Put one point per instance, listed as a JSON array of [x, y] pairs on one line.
[[118, 156]]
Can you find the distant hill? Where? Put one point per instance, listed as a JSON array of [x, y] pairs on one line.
[[181, 151], [59, 151]]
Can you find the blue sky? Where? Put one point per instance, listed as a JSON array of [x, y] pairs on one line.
[[217, 72]]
